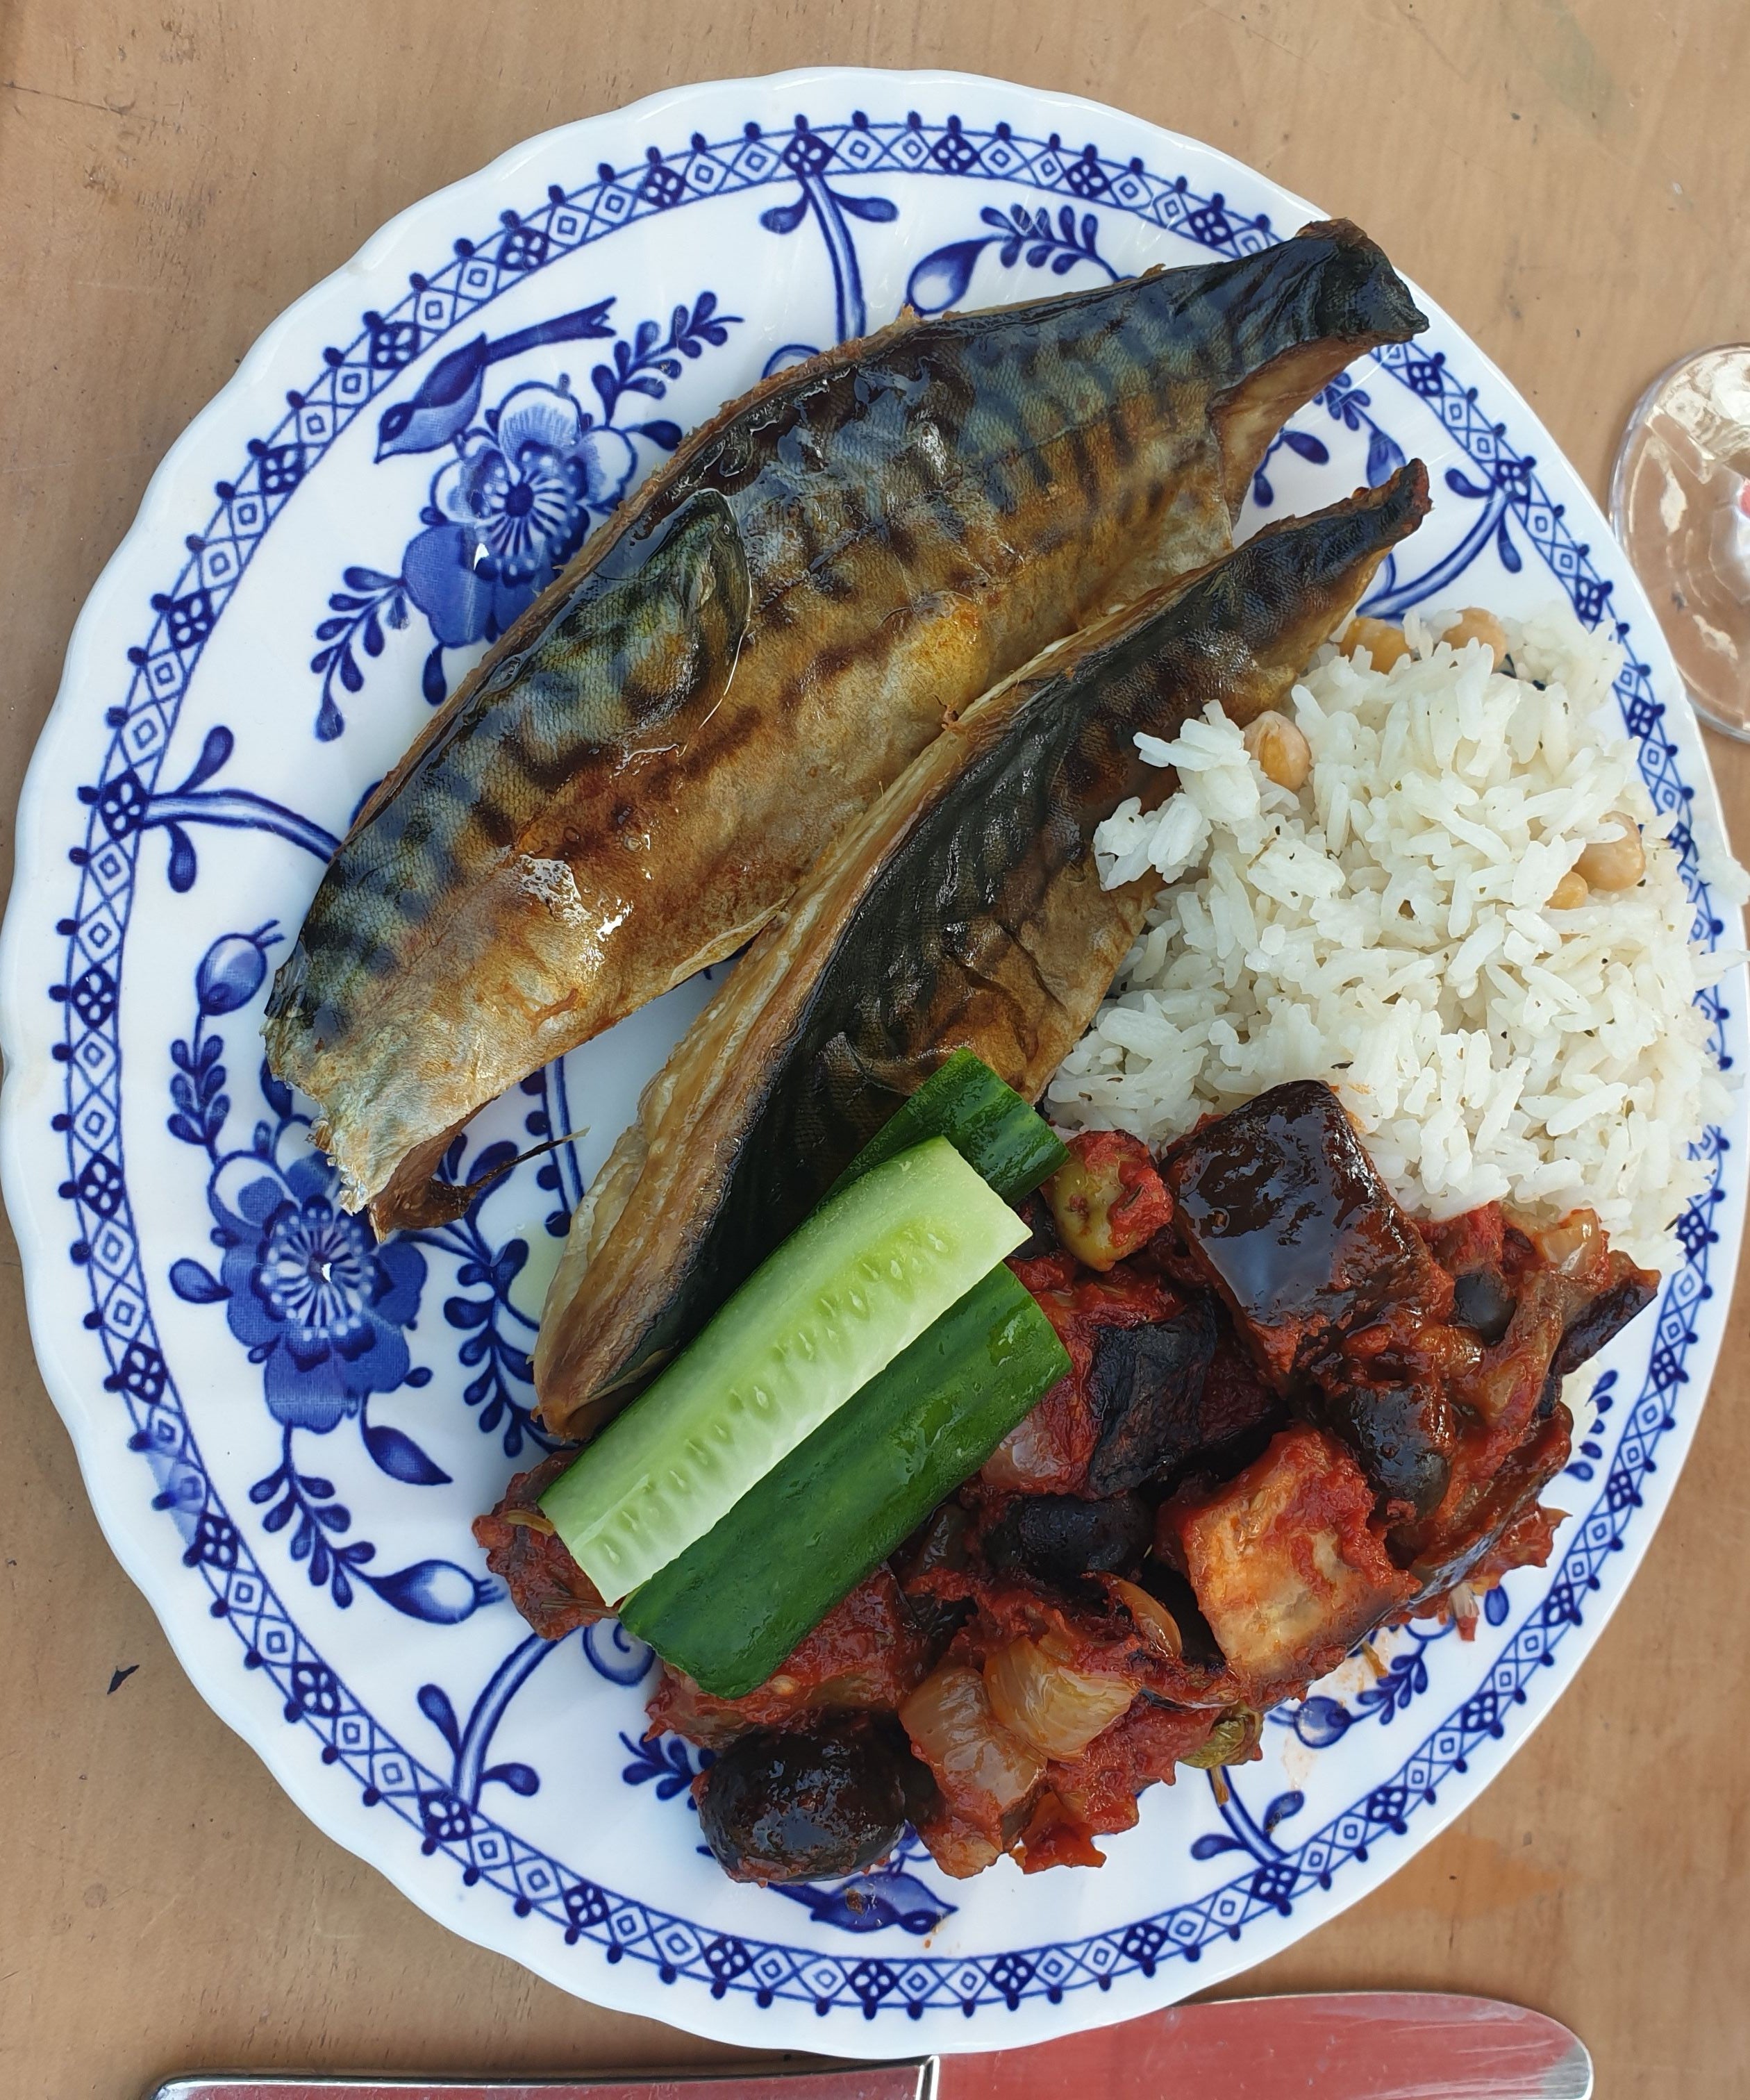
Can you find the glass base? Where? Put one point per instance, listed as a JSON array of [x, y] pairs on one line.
[[1679, 504]]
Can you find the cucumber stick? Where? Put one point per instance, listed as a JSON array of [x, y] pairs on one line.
[[735, 1604], [850, 1289], [987, 1123]]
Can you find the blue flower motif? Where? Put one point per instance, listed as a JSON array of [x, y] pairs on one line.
[[313, 1297], [513, 506]]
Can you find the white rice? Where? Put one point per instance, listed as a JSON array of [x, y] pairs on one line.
[[1386, 930]]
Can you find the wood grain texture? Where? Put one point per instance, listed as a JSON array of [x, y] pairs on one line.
[[1568, 179]]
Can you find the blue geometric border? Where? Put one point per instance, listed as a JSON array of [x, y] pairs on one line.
[[483, 1850]]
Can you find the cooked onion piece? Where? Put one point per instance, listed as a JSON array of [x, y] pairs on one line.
[[1036, 1695], [952, 1729], [1158, 1626]]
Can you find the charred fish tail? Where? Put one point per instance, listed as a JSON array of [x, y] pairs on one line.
[[1292, 320], [1295, 574]]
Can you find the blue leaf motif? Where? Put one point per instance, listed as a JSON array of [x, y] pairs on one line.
[[1495, 1606], [1308, 447], [1284, 1806], [877, 211], [785, 218], [434, 1704], [1211, 1842], [196, 1285], [871, 1903], [1511, 557], [491, 1159], [215, 748], [1384, 456], [397, 1455], [942, 277], [437, 1591], [1461, 485], [183, 867], [275, 1092], [667, 1760], [519, 1778]]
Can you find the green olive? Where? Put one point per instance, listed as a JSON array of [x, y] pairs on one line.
[[1231, 1741]]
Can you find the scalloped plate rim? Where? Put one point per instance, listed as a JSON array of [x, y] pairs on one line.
[[206, 1658]]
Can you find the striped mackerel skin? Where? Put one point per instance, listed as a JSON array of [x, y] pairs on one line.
[[964, 911], [638, 775]]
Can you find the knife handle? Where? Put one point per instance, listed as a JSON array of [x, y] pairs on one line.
[[915, 2080]]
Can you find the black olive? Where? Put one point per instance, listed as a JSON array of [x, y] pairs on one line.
[[801, 1805], [1060, 1539], [1481, 1302]]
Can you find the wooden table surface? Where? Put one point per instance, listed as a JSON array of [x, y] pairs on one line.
[[1570, 180]]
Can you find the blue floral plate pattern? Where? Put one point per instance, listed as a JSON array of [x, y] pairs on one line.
[[286, 1428]]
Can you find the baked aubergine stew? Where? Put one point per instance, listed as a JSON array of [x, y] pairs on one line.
[[1022, 1474]]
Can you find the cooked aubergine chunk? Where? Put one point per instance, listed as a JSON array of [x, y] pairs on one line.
[[795, 1805], [1402, 1434], [1629, 1292], [1464, 1536], [1283, 1211], [1147, 1385], [1063, 1539], [1286, 1563]]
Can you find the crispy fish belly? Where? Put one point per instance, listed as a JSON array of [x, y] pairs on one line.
[[963, 909], [639, 772]]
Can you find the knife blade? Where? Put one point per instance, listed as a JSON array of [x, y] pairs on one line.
[[1349, 2046], [1340, 2045]]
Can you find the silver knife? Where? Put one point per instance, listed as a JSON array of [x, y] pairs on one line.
[[1345, 2045]]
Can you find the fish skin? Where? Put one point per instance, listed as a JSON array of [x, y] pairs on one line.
[[916, 515], [964, 911]]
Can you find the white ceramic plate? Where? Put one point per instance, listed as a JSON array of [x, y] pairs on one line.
[[286, 1430]]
